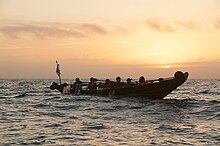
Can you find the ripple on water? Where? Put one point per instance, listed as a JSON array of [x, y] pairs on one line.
[[92, 125], [31, 114], [53, 125], [54, 114]]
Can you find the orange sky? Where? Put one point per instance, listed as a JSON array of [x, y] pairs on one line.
[[107, 38]]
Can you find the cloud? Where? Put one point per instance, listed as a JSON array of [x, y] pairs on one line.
[[217, 23], [164, 26], [39, 31], [190, 25], [123, 30], [160, 26], [94, 28], [48, 30]]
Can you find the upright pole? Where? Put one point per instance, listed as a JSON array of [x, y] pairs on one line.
[[60, 79]]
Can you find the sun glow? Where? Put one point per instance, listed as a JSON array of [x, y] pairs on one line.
[[89, 38], [167, 67]]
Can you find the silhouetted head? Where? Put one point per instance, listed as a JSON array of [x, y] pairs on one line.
[[129, 80], [141, 79], [118, 79], [65, 84], [54, 86], [54, 83], [77, 79], [107, 80], [91, 79]]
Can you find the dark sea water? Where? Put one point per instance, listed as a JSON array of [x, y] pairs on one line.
[[32, 114]]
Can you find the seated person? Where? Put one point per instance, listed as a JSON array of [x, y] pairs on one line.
[[92, 84], [141, 80], [66, 88], [129, 83], [118, 83], [77, 81], [78, 85], [60, 87], [107, 84]]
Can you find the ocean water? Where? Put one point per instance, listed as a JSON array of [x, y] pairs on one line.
[[32, 114]]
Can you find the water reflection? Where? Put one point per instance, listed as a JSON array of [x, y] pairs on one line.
[[188, 116]]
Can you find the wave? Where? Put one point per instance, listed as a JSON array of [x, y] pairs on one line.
[[41, 105], [53, 125], [52, 98], [67, 107], [14, 96], [55, 114], [93, 125], [215, 117], [209, 92]]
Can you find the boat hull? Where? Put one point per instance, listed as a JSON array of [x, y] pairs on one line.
[[154, 90]]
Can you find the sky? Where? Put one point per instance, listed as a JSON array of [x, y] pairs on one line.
[[109, 38]]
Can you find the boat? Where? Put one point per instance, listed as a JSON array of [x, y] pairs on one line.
[[152, 89]]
